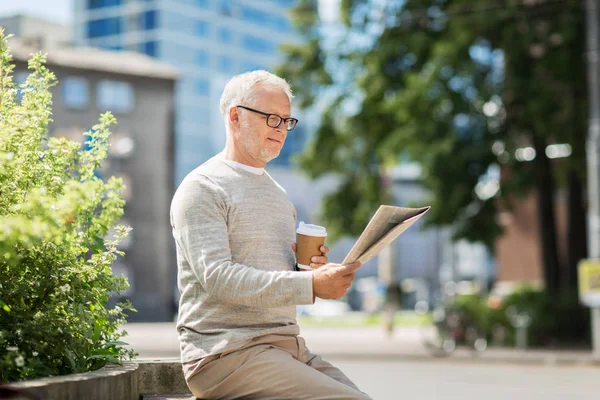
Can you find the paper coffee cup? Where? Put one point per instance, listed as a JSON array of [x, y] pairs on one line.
[[309, 241]]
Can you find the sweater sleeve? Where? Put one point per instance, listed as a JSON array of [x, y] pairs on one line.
[[199, 223]]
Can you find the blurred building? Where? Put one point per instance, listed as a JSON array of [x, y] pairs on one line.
[[140, 93], [209, 41], [518, 249], [44, 33]]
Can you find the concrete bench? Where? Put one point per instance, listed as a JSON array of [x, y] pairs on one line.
[[162, 380], [142, 379]]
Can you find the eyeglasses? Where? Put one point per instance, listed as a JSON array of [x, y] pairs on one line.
[[274, 120]]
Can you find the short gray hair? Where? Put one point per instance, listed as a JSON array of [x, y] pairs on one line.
[[241, 90]]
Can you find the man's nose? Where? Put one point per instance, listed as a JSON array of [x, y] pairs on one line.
[[281, 130]]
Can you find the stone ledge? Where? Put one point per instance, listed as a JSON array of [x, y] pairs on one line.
[[161, 376], [147, 379], [110, 382]]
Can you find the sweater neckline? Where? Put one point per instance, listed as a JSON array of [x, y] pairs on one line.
[[239, 166]]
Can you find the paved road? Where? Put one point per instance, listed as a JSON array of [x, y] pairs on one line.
[[159, 340], [446, 380], [364, 355], [152, 340]]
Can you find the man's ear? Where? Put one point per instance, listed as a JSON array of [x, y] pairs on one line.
[[234, 116]]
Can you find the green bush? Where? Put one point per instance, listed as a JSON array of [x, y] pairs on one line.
[[558, 320], [554, 320], [55, 246]]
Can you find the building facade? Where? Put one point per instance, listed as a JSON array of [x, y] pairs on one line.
[[208, 41], [47, 34], [139, 91]]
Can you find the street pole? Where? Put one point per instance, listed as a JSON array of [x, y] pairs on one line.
[[387, 275], [593, 151]]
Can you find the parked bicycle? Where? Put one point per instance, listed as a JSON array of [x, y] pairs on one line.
[[452, 327]]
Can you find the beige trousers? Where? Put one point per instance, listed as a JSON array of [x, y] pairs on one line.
[[270, 367]]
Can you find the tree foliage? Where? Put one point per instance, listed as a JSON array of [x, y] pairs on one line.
[[462, 88]]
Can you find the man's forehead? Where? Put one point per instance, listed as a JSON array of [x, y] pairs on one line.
[[273, 100]]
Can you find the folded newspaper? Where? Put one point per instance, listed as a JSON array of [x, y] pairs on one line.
[[387, 224]]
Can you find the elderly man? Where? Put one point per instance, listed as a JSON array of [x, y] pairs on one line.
[[234, 228]]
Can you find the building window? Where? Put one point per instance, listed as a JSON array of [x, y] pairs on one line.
[[282, 24], [225, 35], [285, 3], [225, 8], [115, 96], [225, 64], [202, 58], [104, 27], [258, 45], [150, 48], [202, 28], [202, 87], [75, 91], [112, 47], [103, 3], [266, 19], [149, 20], [254, 16]]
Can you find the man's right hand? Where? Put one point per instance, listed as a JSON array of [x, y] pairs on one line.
[[331, 281]]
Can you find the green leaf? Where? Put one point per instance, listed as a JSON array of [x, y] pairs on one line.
[[116, 343], [5, 306]]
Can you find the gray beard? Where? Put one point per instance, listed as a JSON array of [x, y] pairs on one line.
[[249, 145]]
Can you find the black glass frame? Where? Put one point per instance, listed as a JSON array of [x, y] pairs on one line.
[[280, 118]]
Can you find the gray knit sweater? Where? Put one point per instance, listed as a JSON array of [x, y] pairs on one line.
[[233, 231]]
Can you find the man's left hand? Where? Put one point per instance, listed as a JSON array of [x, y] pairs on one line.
[[317, 261]]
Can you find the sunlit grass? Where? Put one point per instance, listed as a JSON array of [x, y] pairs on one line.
[[362, 319]]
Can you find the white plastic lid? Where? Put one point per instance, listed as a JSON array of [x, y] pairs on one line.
[[311, 230]]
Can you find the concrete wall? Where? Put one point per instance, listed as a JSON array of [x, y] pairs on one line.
[[111, 382], [131, 381]]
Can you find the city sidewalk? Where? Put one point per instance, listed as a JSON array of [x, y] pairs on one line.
[[159, 340], [408, 343]]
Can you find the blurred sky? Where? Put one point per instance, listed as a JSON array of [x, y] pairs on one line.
[[54, 10]]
